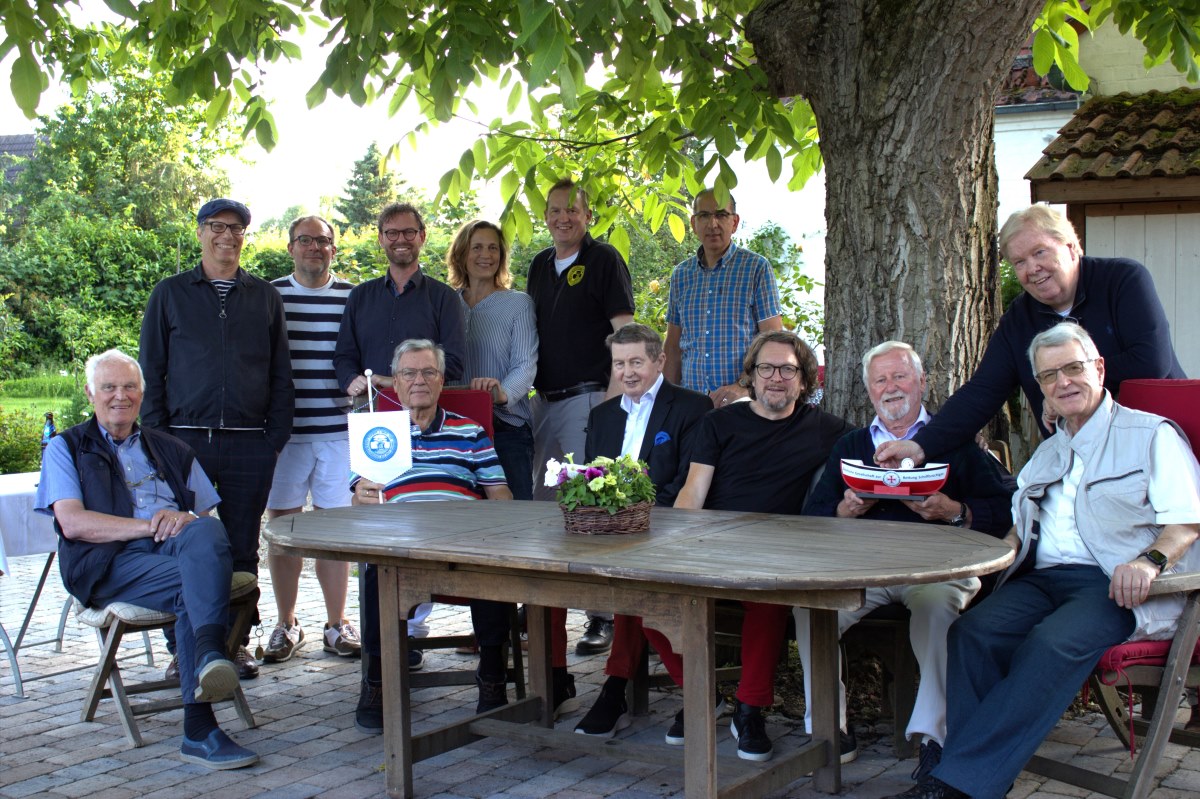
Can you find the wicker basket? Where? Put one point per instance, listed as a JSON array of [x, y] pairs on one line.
[[598, 521]]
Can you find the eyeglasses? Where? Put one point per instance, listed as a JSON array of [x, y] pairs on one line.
[[320, 241], [409, 233], [767, 370], [1072, 369], [721, 216], [409, 375], [220, 227]]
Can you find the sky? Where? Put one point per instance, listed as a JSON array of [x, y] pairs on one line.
[[317, 149]]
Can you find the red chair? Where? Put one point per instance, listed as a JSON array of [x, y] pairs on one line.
[[1159, 670], [474, 404]]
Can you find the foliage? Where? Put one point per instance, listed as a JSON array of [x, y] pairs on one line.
[[371, 186], [122, 152], [20, 442], [45, 384], [611, 90], [603, 483]]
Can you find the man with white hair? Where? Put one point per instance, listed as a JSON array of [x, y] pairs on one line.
[[1104, 506], [125, 500], [977, 495]]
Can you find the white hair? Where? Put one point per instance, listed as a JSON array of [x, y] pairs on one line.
[[93, 363], [884, 349]]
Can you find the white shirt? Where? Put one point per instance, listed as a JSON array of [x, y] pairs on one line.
[[638, 418]]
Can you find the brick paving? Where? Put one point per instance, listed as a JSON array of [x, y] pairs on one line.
[[309, 747]]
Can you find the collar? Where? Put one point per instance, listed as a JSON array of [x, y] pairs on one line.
[[880, 433], [721, 261], [129, 441], [198, 274], [651, 394], [416, 279], [439, 419], [1093, 431]]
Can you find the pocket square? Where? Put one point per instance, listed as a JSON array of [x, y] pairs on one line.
[[661, 437]]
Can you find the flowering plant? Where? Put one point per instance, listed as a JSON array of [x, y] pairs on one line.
[[606, 483]]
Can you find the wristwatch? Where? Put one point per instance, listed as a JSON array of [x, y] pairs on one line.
[[1155, 557], [961, 519]]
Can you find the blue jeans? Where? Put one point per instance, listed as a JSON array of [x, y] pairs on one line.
[[514, 448], [1016, 661], [188, 575]]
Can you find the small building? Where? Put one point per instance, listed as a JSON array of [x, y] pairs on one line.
[[12, 148], [1127, 167]]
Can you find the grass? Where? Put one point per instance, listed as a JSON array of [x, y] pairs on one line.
[[37, 406]]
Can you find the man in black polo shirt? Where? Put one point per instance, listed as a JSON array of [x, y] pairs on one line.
[[581, 293]]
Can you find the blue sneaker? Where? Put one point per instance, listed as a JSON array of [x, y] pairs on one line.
[[216, 678], [216, 751]]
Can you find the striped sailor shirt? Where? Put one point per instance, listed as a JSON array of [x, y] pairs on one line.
[[313, 317], [718, 311]]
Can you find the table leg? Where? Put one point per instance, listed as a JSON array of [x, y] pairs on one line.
[[541, 675], [397, 711], [825, 722], [699, 691]]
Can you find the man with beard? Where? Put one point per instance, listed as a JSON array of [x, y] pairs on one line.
[[758, 456], [977, 494]]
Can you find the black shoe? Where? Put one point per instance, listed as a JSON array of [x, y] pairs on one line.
[[368, 716], [930, 788], [749, 729], [931, 755], [172, 672], [597, 638], [674, 735], [608, 716], [247, 666], [564, 695], [416, 659], [492, 694], [848, 746]]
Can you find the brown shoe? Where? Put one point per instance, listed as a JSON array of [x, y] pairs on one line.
[[247, 666], [172, 672]]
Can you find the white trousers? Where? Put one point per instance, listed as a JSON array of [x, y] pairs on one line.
[[934, 607]]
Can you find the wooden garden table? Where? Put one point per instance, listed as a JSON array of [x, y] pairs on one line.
[[671, 576]]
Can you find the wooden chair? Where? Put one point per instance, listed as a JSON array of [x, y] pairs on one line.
[[117, 619], [883, 633], [1159, 670]]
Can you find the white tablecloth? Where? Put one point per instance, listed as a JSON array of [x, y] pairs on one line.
[[22, 532]]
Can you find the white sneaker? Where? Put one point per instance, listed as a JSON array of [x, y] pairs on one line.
[[342, 640], [285, 641]]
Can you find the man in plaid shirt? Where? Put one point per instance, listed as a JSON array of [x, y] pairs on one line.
[[720, 299]]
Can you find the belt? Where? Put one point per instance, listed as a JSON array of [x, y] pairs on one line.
[[573, 391]]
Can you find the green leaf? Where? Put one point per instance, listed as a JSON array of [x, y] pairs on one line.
[[1043, 51], [122, 7], [774, 163], [27, 82], [217, 107], [546, 60], [677, 226], [509, 183], [619, 238], [514, 97]]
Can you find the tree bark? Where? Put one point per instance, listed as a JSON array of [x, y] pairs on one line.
[[903, 95]]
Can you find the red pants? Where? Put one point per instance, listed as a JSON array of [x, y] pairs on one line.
[[763, 629]]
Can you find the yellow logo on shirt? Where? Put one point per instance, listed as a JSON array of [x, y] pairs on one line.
[[574, 275]]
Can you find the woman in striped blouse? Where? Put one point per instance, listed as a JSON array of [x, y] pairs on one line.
[[502, 344]]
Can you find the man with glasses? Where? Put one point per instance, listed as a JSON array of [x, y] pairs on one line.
[[720, 299], [758, 456], [400, 304], [1105, 506], [314, 460], [452, 459], [214, 352]]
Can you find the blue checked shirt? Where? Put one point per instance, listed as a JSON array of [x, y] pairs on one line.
[[718, 311]]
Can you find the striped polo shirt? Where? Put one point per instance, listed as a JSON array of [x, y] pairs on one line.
[[452, 459], [313, 318]]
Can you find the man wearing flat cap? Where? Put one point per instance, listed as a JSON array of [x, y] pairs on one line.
[[214, 351]]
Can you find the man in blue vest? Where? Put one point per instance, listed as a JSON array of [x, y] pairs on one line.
[[125, 501]]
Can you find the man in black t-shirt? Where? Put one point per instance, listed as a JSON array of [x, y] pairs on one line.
[[581, 293], [760, 456]]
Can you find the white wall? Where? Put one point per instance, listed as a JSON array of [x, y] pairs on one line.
[[1169, 246]]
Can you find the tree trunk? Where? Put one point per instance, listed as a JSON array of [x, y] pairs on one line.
[[903, 95]]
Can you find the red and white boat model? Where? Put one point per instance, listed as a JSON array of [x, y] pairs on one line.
[[875, 482]]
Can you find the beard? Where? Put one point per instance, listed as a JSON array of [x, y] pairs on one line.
[[892, 413]]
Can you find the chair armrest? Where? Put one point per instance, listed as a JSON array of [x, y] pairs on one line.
[[1175, 583]]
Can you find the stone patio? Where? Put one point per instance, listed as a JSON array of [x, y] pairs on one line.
[[309, 747]]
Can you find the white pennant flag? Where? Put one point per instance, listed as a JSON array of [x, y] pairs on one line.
[[380, 445]]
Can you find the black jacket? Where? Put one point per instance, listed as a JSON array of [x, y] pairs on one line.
[[203, 369], [664, 447]]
